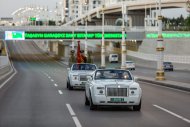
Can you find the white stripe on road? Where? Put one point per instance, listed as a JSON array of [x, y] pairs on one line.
[[49, 77], [77, 122], [174, 114], [55, 85], [52, 80], [1, 85], [70, 110], [60, 92]]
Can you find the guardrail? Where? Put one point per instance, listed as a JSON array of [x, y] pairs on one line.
[[107, 28], [153, 57]]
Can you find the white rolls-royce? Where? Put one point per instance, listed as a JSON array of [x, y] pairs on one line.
[[77, 74], [112, 87]]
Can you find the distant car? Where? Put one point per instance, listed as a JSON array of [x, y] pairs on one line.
[[112, 87], [77, 75], [113, 58], [168, 66], [130, 65]]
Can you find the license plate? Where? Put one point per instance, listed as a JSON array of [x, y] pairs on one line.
[[83, 83], [117, 100]]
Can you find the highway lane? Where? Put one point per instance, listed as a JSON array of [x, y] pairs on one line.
[[37, 97]]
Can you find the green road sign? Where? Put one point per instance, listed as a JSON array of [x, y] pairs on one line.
[[14, 35], [168, 35], [69, 35], [32, 18]]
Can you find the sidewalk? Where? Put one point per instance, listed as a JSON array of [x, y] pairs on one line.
[[167, 83]]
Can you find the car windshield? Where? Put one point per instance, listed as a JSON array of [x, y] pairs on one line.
[[89, 67], [167, 63], [129, 62], [113, 74], [114, 56]]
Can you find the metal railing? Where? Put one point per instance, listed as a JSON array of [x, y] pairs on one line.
[[108, 28], [154, 57]]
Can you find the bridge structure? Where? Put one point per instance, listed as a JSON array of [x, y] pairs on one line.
[[142, 25], [139, 12]]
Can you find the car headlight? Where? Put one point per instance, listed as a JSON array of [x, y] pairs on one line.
[[133, 91], [100, 90], [75, 77]]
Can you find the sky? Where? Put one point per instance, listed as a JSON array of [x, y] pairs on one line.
[[9, 6]]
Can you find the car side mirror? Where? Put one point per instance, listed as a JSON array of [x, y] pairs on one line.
[[136, 79], [89, 78]]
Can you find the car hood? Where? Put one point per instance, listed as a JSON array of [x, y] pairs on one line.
[[81, 72], [114, 82]]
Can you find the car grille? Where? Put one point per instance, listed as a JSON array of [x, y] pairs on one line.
[[83, 78], [117, 92]]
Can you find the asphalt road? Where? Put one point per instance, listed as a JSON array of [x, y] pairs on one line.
[[37, 97]]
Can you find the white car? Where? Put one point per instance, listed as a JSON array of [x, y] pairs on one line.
[[112, 87], [113, 58], [130, 65], [77, 75]]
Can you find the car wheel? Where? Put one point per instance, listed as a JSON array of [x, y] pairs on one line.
[[137, 107], [86, 100], [92, 106], [69, 86]]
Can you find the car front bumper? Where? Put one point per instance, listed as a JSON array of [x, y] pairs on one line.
[[103, 100]]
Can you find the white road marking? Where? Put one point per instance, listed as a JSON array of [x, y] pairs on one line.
[[60, 92], [55, 85], [70, 110], [49, 77], [77, 122], [52, 80], [172, 113], [1, 86]]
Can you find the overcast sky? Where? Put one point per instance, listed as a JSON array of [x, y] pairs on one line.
[[9, 6]]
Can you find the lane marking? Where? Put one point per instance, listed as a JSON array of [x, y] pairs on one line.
[[77, 122], [60, 92], [55, 85], [70, 110], [172, 113], [15, 72], [49, 77], [52, 80], [165, 87]]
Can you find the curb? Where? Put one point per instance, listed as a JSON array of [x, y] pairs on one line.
[[165, 84]]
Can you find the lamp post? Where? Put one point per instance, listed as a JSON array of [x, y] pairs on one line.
[[123, 44], [103, 43], [160, 48], [86, 46]]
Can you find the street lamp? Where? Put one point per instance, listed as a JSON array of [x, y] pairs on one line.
[[103, 43], [123, 44], [160, 48], [86, 46]]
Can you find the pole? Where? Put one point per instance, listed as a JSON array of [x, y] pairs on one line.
[[160, 48], [86, 46], [73, 48], [123, 44], [103, 43]]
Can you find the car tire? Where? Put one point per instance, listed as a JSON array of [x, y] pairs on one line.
[[87, 102], [137, 107], [69, 86], [92, 106]]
